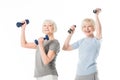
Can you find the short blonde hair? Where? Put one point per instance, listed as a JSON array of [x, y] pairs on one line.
[[52, 22], [88, 20]]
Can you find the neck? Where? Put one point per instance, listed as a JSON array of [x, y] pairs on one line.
[[51, 36], [90, 36]]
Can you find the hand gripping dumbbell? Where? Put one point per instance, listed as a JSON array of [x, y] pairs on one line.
[[45, 38], [19, 24], [95, 10], [70, 30]]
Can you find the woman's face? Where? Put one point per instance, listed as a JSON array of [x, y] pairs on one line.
[[88, 29], [48, 28]]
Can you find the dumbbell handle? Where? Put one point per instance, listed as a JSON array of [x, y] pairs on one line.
[[36, 41], [19, 24], [95, 11], [45, 38], [70, 30]]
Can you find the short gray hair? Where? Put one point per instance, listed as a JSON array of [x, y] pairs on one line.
[[52, 22], [89, 20]]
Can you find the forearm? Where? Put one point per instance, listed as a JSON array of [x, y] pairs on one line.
[[66, 45], [44, 56], [98, 28], [23, 39]]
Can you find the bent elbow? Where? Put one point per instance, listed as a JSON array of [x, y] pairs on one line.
[[68, 48], [23, 45], [63, 48], [46, 63]]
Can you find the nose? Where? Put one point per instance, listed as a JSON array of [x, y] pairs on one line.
[[86, 28]]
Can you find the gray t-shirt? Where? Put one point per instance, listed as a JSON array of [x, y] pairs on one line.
[[49, 69]]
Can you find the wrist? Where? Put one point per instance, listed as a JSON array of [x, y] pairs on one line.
[[70, 35], [40, 45], [23, 30]]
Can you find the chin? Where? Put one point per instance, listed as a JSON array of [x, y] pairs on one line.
[[88, 35]]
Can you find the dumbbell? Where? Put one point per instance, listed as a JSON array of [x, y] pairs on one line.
[[19, 24], [95, 11], [70, 30], [45, 38]]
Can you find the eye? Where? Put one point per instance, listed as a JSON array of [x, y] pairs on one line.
[[44, 25], [50, 25]]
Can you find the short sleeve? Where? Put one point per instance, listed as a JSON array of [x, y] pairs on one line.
[[55, 46], [99, 41], [76, 44]]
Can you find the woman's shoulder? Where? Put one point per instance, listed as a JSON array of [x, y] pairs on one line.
[[55, 41]]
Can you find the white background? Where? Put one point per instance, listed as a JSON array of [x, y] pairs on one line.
[[17, 63]]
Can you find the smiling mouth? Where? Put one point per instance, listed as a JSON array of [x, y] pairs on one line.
[[46, 30], [87, 31]]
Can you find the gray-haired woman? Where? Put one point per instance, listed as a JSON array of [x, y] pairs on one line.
[[46, 51]]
